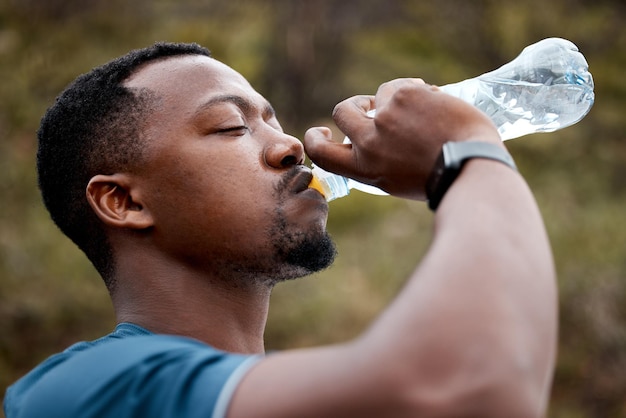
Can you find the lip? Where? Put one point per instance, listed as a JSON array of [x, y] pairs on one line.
[[301, 180]]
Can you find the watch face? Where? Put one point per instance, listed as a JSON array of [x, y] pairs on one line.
[[441, 178], [435, 175]]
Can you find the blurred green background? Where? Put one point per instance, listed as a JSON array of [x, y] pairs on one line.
[[305, 56]]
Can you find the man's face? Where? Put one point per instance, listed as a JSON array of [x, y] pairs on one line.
[[223, 183]]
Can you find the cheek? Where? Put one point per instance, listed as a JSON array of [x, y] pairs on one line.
[[227, 177], [215, 228], [215, 211]]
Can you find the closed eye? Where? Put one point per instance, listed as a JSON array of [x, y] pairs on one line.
[[235, 130]]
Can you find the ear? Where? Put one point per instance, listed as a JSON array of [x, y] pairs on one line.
[[116, 202]]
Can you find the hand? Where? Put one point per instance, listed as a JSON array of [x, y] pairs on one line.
[[396, 150]]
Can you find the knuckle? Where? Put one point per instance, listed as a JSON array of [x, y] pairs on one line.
[[338, 109], [406, 93]]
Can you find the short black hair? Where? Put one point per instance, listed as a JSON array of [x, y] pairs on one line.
[[94, 127]]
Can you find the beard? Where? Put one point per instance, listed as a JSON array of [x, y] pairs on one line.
[[292, 255], [300, 254], [292, 251]]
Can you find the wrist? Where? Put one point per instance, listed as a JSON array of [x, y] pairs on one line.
[[451, 160]]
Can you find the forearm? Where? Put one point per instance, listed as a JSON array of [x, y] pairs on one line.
[[481, 308]]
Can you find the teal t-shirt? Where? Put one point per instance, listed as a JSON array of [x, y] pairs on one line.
[[130, 373]]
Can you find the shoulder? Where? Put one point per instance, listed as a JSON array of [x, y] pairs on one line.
[[140, 375]]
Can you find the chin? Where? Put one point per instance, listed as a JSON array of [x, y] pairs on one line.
[[312, 254], [300, 255], [302, 247]]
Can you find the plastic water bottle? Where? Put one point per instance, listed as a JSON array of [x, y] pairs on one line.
[[547, 87]]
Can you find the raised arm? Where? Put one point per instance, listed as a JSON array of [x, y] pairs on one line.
[[473, 333]]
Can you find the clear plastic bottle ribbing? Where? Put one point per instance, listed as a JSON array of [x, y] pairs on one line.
[[546, 88]]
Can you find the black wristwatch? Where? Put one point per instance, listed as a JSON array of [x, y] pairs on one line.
[[453, 156]]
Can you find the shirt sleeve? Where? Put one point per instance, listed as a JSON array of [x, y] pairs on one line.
[[143, 376], [228, 390]]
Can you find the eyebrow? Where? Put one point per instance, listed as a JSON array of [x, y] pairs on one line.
[[245, 105]]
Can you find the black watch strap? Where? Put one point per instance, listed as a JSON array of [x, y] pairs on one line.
[[453, 156]]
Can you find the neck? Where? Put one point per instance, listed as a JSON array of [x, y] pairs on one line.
[[228, 315]]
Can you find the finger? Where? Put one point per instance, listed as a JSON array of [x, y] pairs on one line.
[[326, 153], [351, 117], [388, 90]]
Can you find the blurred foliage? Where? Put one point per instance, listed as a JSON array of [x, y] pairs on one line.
[[305, 56]]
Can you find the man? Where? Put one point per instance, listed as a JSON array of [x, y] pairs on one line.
[[175, 178]]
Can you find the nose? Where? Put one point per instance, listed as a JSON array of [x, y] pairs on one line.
[[284, 152]]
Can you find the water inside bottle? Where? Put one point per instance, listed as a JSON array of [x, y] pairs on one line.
[[519, 108]]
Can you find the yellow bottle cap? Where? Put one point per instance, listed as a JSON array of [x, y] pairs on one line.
[[315, 184]]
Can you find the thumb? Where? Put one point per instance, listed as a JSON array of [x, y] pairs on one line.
[[326, 153]]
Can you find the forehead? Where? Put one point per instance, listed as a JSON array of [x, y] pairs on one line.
[[185, 82]]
